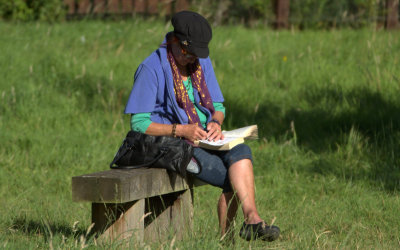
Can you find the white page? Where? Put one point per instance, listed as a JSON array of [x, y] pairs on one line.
[[219, 142], [240, 132]]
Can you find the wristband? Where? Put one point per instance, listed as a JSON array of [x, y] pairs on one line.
[[216, 121], [174, 130]]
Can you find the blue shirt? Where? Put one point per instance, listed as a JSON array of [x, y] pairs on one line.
[[153, 90]]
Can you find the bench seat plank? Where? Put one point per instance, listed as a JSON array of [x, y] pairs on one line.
[[119, 186]]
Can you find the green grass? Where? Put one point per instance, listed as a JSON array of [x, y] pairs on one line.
[[326, 103]]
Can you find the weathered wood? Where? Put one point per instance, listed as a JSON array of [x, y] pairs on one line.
[[170, 215], [392, 16], [146, 204], [152, 7], [182, 214], [181, 5], [119, 186], [127, 6], [70, 4], [113, 6], [119, 221], [84, 6], [282, 14], [167, 215], [99, 6], [165, 7], [140, 6]]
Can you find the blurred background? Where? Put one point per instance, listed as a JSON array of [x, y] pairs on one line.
[[275, 13]]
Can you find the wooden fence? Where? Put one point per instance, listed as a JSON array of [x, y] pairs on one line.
[[125, 7], [392, 16], [168, 7]]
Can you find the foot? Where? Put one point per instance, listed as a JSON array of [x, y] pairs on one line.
[[259, 231]]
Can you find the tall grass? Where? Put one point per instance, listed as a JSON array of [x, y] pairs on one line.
[[327, 163]]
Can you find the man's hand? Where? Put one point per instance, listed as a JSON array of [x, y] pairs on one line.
[[214, 132]]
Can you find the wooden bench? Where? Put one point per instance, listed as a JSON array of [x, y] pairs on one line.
[[147, 204]]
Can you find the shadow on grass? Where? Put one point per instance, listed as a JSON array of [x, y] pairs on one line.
[[334, 112], [328, 123], [94, 92], [32, 227]]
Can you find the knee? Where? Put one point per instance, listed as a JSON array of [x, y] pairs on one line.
[[240, 152], [242, 149]]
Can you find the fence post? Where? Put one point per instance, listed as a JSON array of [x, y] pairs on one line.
[[392, 14], [140, 6], [84, 7], [99, 6], [152, 7], [71, 6], [181, 5], [281, 8], [126, 6], [166, 8]]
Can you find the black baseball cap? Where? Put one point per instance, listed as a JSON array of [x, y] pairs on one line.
[[193, 31]]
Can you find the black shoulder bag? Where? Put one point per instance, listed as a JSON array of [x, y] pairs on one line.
[[140, 150]]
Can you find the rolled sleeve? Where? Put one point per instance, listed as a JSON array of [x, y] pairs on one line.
[[218, 106], [140, 122]]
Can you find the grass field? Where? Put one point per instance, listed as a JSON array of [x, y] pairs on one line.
[[326, 102]]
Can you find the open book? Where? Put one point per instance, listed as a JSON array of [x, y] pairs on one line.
[[232, 138]]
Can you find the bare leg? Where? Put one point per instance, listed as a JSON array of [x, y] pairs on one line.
[[227, 208], [242, 179]]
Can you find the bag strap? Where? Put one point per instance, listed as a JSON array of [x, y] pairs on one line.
[[148, 164]]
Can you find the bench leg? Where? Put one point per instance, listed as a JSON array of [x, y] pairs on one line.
[[119, 221], [168, 215], [172, 215]]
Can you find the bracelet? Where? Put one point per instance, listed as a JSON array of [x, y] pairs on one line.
[[216, 121], [174, 130]]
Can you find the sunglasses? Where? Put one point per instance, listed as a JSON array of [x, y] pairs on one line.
[[186, 54]]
